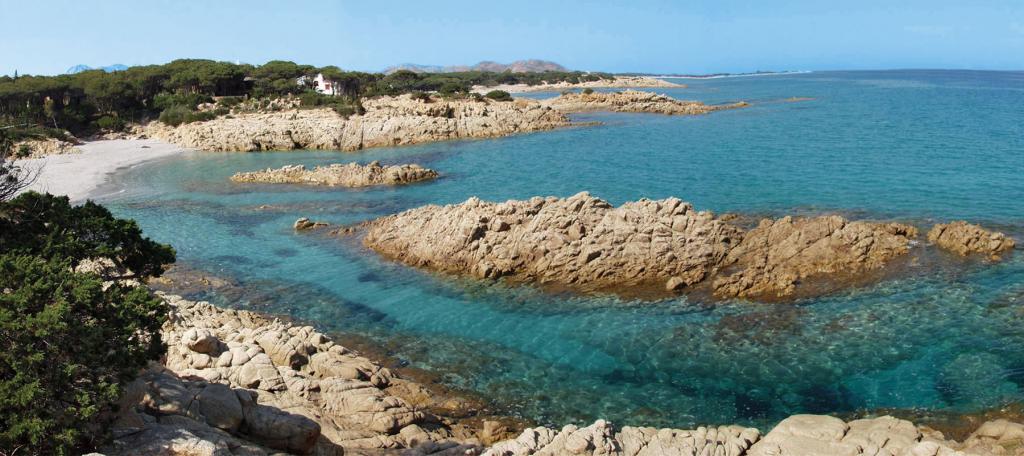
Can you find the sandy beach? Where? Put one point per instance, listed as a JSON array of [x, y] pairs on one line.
[[78, 175]]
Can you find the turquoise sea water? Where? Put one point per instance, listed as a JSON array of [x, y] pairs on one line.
[[918, 146]]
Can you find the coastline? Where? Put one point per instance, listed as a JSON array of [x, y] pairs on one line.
[[79, 175], [338, 401]]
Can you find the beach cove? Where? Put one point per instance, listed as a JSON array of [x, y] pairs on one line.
[[575, 358]]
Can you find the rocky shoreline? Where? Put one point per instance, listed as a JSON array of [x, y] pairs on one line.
[[633, 101], [341, 175], [585, 243], [240, 383], [388, 121]]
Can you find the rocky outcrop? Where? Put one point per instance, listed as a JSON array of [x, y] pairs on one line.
[[580, 241], [38, 148], [618, 82], [798, 435], [235, 382], [632, 101], [966, 239], [388, 121], [780, 254], [347, 175], [585, 243]]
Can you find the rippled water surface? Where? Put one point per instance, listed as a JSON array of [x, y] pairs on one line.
[[917, 146]]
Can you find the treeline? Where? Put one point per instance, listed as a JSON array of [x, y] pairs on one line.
[[90, 101]]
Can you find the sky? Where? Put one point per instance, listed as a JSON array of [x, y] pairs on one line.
[[652, 36]]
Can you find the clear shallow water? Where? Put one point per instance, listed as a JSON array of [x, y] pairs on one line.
[[916, 146]]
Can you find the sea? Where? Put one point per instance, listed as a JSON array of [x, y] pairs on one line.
[[921, 147]]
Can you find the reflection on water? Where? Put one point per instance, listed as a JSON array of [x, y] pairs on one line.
[[918, 146]]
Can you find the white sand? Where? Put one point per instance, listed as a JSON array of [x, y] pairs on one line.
[[78, 175]]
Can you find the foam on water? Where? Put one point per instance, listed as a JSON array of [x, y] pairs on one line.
[[916, 146]]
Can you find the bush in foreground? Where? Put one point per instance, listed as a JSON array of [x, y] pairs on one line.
[[67, 347], [69, 340]]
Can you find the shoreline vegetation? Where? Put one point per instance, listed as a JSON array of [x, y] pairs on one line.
[[208, 105], [96, 102]]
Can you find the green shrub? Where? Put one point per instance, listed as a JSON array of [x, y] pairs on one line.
[[221, 112], [588, 91], [109, 123], [499, 95], [420, 95], [230, 102], [177, 115], [190, 101], [174, 115], [311, 99], [449, 88], [68, 343], [68, 347], [24, 151]]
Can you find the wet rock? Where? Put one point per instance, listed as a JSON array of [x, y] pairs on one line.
[[347, 175], [966, 239]]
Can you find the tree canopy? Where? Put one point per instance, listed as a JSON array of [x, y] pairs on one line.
[[78, 102]]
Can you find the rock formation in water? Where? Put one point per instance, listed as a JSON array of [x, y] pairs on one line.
[[779, 254], [585, 243], [347, 175], [581, 241], [798, 435], [632, 101], [235, 382], [304, 223], [965, 239], [388, 121], [619, 82]]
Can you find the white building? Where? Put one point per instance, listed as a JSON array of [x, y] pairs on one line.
[[321, 85]]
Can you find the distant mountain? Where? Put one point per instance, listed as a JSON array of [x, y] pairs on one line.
[[78, 69], [519, 66], [109, 68]]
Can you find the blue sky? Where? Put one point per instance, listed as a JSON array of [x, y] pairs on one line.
[[47, 37]]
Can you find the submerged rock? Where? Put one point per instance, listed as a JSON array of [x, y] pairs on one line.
[[633, 101], [305, 223], [388, 121], [965, 239], [580, 241], [778, 255], [347, 175]]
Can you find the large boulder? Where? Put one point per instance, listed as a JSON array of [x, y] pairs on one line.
[[581, 241], [789, 256], [966, 239], [342, 175]]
